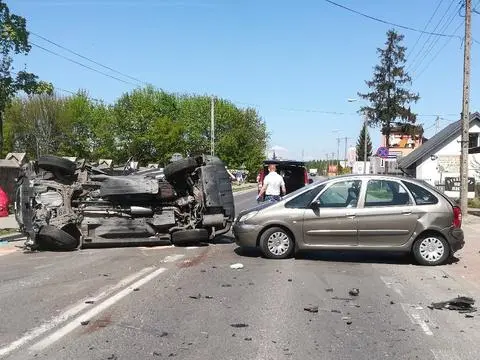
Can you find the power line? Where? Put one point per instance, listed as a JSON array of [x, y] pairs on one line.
[[424, 29], [414, 63], [88, 59], [438, 53], [83, 65], [390, 23]]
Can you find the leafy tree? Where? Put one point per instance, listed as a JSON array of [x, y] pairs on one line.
[[147, 126], [14, 41], [33, 124], [389, 96], [361, 144]]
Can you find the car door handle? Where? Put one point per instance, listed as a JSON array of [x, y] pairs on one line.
[[350, 214], [406, 212]]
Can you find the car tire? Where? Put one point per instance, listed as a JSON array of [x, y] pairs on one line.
[[277, 243], [189, 237], [52, 238], [431, 249], [55, 163], [179, 167]]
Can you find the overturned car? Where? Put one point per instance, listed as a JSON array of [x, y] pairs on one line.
[[64, 205]]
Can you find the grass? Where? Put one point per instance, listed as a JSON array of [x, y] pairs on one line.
[[244, 186], [474, 203], [7, 231]]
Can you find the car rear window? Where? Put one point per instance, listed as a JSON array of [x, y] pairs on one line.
[[421, 195]]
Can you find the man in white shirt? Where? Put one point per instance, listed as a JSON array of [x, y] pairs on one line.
[[273, 185]]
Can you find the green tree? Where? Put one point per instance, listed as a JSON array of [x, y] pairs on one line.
[[389, 95], [147, 126], [361, 144], [14, 41], [33, 124]]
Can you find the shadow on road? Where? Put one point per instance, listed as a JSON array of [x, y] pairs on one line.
[[356, 256]]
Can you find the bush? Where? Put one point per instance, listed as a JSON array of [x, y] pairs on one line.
[[474, 203]]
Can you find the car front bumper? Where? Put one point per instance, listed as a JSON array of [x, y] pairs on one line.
[[246, 235]]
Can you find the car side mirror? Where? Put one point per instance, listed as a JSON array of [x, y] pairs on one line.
[[315, 205]]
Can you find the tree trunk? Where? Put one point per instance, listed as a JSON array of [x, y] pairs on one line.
[[387, 145]]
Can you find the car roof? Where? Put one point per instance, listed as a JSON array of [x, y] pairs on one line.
[[284, 162]]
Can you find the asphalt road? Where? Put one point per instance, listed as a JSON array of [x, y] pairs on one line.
[[187, 303]]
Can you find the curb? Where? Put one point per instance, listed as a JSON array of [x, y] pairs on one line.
[[243, 191], [12, 237]]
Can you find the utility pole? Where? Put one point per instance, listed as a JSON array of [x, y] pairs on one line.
[[338, 153], [212, 127], [346, 139], [365, 152], [328, 164], [465, 110], [437, 124]]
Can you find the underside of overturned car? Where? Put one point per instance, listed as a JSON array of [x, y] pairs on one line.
[[64, 205]]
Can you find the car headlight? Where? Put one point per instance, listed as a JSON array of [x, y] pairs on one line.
[[248, 216]]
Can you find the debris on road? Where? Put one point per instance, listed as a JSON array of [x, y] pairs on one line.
[[208, 297], [290, 280], [84, 323], [336, 311], [195, 296], [163, 334], [239, 325], [248, 339], [392, 302], [136, 289], [226, 285], [329, 290], [251, 283], [462, 304], [236, 266], [349, 322], [89, 302], [312, 309], [340, 298], [203, 270], [354, 292]]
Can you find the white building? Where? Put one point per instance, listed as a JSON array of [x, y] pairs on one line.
[[437, 161]]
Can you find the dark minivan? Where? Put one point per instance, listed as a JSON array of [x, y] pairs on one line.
[[294, 174]]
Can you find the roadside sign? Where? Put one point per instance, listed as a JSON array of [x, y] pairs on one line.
[[382, 152]]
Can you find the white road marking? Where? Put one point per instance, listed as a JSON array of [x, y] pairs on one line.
[[173, 258], [52, 338], [416, 317], [445, 354], [66, 315], [391, 283]]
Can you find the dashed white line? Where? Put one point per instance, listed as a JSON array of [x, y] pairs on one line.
[[416, 317], [52, 338], [173, 258], [57, 320], [445, 354], [391, 283]]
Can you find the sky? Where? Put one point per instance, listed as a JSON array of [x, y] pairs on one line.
[[296, 62]]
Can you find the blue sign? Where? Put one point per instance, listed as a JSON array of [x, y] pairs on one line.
[[382, 152]]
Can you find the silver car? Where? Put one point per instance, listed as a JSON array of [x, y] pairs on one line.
[[364, 212]]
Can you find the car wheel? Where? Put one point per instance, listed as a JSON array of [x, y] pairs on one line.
[[189, 237], [52, 238], [55, 163], [172, 170], [431, 249], [276, 243]]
